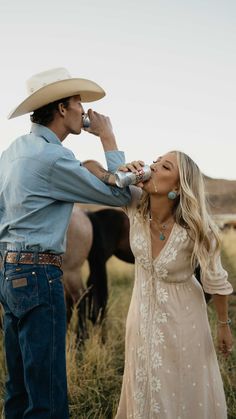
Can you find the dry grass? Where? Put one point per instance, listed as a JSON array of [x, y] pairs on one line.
[[95, 371], [229, 368], [229, 246]]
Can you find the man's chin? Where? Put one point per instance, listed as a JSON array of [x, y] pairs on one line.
[[76, 132]]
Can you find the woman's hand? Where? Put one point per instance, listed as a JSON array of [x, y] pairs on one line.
[[225, 341], [134, 166]]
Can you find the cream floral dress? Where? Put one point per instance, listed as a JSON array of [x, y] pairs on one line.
[[171, 369]]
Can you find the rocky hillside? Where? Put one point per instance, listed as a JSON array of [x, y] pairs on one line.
[[221, 195]]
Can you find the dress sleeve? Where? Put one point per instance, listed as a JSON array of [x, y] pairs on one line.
[[215, 281]]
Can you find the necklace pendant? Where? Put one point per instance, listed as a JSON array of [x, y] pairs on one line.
[[162, 237]]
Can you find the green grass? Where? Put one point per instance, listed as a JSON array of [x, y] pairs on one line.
[[95, 371]]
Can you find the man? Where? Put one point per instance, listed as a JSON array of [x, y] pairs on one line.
[[39, 182]]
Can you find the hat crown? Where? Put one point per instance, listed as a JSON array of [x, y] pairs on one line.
[[56, 84], [45, 78]]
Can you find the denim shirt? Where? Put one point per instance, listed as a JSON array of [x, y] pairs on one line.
[[40, 180]]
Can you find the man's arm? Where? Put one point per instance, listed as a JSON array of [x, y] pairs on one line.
[[98, 170], [71, 181]]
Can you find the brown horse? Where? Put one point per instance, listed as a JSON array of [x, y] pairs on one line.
[[79, 243], [110, 237], [93, 236]]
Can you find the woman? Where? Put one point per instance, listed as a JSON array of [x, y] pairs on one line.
[[171, 369]]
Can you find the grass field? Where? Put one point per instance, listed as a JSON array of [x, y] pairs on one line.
[[95, 372]]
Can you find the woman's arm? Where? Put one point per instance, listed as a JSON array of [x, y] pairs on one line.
[[224, 337]]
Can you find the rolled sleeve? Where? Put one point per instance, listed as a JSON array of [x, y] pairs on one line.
[[216, 281], [71, 182], [114, 160]]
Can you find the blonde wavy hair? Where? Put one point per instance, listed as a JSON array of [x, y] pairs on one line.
[[191, 212]]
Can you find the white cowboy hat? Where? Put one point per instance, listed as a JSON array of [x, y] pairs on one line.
[[55, 84]]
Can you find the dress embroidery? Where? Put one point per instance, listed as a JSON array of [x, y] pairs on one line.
[[152, 290], [157, 344], [169, 252]]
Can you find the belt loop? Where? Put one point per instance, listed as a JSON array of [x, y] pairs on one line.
[[4, 263], [5, 255], [36, 257], [18, 256]]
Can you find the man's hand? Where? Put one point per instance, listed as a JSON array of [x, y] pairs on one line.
[[100, 125]]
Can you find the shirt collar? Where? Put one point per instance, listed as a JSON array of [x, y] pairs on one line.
[[46, 133]]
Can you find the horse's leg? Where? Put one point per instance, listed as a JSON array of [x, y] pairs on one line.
[[104, 237], [76, 297], [98, 293], [108, 227], [69, 307]]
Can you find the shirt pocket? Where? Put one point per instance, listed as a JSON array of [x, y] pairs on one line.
[[21, 291]]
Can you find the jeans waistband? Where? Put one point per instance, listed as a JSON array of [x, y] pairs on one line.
[[33, 258]]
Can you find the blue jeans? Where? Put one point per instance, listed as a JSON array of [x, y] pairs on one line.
[[35, 328]]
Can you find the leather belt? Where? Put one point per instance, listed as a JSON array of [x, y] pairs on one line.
[[32, 258]]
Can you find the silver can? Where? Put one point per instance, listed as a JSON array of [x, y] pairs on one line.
[[85, 120], [124, 179]]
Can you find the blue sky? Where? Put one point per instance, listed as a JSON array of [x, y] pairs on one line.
[[168, 68]]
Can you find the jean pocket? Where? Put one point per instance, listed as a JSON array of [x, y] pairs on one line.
[[54, 274], [13, 269], [21, 291], [56, 288]]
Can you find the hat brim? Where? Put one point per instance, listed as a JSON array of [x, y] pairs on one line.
[[88, 90]]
